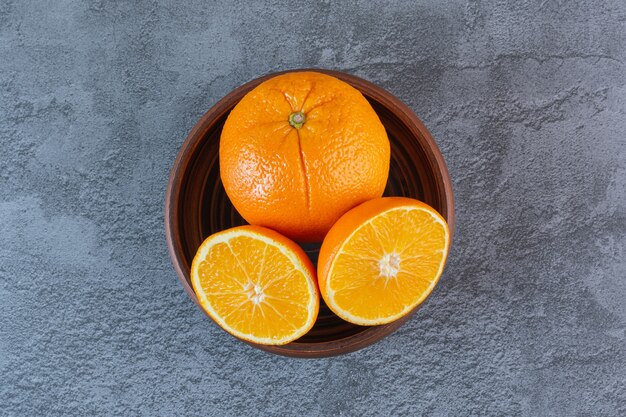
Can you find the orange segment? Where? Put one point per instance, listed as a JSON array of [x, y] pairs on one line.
[[256, 284], [382, 259]]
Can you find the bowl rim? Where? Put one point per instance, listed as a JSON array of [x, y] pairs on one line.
[[195, 137]]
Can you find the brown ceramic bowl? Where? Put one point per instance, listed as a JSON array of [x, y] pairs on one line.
[[196, 204]]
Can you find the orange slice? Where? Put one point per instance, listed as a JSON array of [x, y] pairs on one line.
[[256, 284], [382, 259]]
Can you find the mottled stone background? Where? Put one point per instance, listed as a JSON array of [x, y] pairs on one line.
[[527, 100]]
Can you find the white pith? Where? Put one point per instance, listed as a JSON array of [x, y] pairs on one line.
[[389, 265], [254, 292]]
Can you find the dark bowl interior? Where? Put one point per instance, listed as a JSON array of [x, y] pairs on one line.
[[196, 204]]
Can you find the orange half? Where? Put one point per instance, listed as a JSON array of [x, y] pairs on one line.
[[382, 259], [256, 284]]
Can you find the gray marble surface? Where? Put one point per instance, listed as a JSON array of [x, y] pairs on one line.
[[527, 100]]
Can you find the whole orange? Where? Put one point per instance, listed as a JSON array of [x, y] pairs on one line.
[[300, 150]]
